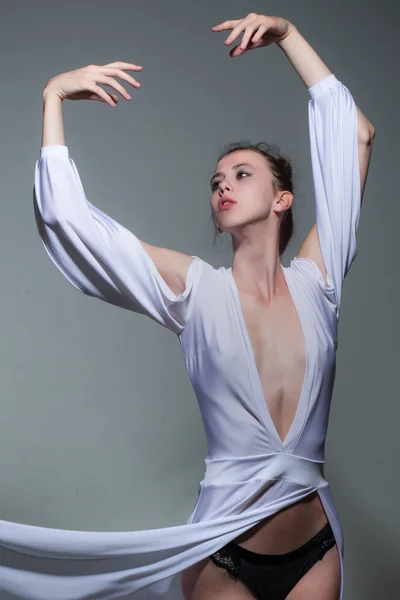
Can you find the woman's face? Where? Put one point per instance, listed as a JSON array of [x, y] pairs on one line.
[[245, 177]]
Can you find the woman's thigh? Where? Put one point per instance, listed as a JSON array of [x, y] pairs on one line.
[[206, 581], [322, 581]]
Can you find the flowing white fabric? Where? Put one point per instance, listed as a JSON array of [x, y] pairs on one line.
[[248, 476]]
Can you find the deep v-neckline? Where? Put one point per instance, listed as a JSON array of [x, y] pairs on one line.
[[261, 398]]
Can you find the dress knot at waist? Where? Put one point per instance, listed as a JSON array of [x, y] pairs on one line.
[[277, 465]]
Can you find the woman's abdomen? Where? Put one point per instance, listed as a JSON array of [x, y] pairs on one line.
[[287, 529]]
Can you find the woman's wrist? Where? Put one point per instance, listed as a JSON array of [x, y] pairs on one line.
[[291, 29], [53, 129], [50, 94]]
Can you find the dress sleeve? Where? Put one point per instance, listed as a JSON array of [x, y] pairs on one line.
[[333, 131], [95, 253]]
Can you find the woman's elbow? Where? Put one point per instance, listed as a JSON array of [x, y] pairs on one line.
[[365, 129], [371, 133], [366, 135]]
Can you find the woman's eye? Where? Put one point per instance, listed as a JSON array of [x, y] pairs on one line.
[[215, 184]]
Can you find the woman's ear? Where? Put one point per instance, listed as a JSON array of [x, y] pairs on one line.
[[285, 200]]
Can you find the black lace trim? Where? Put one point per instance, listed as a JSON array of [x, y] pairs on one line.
[[326, 544], [232, 564]]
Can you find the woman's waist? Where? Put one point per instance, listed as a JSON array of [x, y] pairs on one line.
[[287, 529], [270, 467]]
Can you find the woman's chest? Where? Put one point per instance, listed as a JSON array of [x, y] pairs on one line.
[[233, 336], [277, 340]]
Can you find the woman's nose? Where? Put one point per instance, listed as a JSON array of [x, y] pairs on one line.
[[224, 185]]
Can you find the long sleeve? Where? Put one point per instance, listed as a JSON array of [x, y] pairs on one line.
[[332, 116], [97, 255]]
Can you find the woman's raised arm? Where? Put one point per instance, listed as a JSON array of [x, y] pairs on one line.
[[311, 70], [262, 30], [98, 255], [340, 140]]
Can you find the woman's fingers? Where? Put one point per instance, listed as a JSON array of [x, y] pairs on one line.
[[246, 36], [124, 65], [237, 27], [226, 25], [119, 65], [253, 33], [114, 71], [98, 91], [81, 84], [93, 96], [96, 97], [115, 98], [236, 51], [259, 33], [235, 32], [105, 77], [113, 83]]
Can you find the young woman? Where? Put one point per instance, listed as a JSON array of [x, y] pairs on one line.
[[259, 341]]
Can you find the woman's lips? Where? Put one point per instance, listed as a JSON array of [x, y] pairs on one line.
[[227, 204]]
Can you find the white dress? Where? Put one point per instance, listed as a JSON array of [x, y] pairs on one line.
[[248, 476]]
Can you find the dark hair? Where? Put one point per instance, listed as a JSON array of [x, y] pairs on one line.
[[282, 180]]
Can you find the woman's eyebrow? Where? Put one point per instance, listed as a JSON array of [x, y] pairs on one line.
[[234, 167]]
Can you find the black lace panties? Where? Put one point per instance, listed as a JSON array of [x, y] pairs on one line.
[[273, 576]]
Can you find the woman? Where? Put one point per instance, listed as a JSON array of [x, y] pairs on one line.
[[259, 341]]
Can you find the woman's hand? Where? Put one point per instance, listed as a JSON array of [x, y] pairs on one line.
[[82, 84], [259, 31]]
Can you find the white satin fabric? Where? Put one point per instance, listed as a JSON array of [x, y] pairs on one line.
[[249, 472]]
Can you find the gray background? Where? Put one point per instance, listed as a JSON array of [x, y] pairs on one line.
[[100, 428]]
